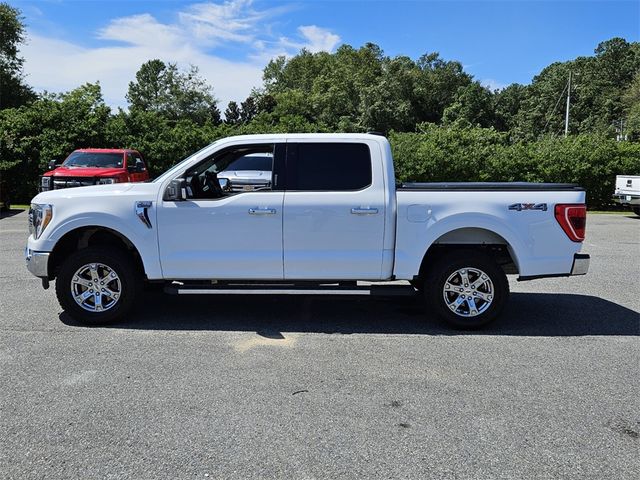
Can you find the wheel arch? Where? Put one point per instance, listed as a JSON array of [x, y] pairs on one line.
[[91, 235], [483, 239]]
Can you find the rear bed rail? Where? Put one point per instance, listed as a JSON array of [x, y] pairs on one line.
[[490, 186]]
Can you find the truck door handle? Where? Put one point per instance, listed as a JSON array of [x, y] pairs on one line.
[[262, 211], [364, 211]]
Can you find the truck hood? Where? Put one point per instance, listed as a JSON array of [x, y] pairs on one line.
[[87, 192], [85, 172]]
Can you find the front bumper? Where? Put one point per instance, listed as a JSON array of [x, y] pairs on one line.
[[37, 263], [625, 199]]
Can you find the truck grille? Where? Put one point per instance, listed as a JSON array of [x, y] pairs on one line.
[[68, 182], [247, 187], [30, 223]]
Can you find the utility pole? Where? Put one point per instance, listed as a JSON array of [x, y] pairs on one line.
[[566, 117], [619, 126]]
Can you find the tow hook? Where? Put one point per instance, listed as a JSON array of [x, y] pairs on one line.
[[45, 283]]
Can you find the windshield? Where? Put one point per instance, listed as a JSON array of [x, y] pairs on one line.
[[252, 162], [91, 159]]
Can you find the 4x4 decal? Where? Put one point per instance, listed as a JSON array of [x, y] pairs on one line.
[[528, 206]]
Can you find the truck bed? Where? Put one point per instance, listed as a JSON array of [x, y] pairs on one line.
[[520, 215]]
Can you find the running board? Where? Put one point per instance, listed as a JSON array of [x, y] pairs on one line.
[[373, 290]]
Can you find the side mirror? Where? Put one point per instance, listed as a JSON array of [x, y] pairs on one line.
[[53, 164], [225, 184], [137, 168], [176, 191]]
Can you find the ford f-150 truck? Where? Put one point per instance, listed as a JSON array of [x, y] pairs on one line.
[[331, 220], [95, 166]]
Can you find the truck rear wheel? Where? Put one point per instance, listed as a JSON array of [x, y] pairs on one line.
[[466, 288], [97, 285]]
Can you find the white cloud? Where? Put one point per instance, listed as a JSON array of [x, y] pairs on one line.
[[58, 65], [311, 37], [318, 39], [141, 30], [233, 20]]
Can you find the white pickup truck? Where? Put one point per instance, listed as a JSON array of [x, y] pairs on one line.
[[332, 221], [627, 192]]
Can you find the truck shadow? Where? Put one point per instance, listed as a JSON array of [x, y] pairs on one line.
[[527, 314]]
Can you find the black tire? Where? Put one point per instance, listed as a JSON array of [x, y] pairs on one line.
[[127, 289], [636, 210], [451, 264]]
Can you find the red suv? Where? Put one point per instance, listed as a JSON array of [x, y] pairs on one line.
[[95, 166]]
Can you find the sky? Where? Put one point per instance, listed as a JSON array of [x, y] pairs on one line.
[[71, 42]]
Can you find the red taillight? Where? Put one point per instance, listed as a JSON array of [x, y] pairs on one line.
[[572, 217]]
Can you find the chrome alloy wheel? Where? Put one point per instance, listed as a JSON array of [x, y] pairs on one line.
[[468, 292], [96, 287]]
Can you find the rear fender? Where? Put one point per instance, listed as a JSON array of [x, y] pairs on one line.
[[494, 225]]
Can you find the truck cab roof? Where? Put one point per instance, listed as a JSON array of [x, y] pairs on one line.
[[105, 150]]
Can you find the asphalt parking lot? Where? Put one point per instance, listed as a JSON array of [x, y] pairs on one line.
[[325, 387]]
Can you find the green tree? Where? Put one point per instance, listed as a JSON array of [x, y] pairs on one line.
[[13, 91], [150, 91], [248, 110], [472, 107], [507, 104], [437, 86], [362, 89], [265, 103], [232, 115], [631, 100], [176, 95], [391, 103], [598, 85]]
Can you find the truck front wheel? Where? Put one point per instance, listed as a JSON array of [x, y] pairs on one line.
[[466, 288], [97, 285]]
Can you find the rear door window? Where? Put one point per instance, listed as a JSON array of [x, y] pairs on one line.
[[328, 166]]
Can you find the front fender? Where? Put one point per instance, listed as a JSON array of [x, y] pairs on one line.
[[144, 239]]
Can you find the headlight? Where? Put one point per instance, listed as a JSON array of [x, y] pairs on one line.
[[105, 181], [45, 183], [39, 218]]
